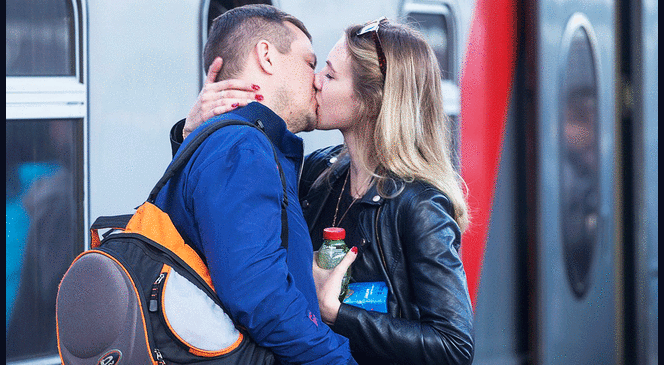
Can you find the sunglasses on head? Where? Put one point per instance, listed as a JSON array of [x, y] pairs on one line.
[[373, 28]]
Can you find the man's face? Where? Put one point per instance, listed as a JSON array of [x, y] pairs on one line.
[[297, 86]]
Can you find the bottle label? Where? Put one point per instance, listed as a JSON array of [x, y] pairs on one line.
[[329, 256]]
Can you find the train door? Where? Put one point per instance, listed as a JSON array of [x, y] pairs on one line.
[[647, 254], [45, 151], [576, 311]]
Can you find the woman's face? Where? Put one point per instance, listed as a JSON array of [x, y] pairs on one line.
[[337, 105]]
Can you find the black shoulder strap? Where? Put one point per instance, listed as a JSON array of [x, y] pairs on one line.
[[116, 221], [113, 222], [181, 160]]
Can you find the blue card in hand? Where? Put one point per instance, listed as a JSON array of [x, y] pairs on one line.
[[371, 296]]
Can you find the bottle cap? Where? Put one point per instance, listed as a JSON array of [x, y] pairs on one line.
[[334, 233]]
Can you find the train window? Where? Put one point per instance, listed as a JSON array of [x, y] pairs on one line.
[[43, 228], [215, 8], [437, 25], [579, 158], [40, 38], [437, 29], [218, 7]]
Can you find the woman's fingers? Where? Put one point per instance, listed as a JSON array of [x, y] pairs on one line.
[[212, 89], [224, 106], [348, 259], [235, 84], [328, 285], [220, 97], [329, 281], [227, 95], [339, 271]]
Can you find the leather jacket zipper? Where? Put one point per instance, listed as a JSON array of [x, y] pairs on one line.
[[382, 255]]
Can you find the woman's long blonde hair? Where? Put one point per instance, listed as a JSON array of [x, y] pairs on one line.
[[404, 119]]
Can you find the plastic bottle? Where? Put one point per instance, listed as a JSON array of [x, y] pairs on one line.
[[332, 251]]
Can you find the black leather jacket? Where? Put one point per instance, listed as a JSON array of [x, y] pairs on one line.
[[429, 319]]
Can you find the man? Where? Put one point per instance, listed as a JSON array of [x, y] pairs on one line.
[[227, 199]]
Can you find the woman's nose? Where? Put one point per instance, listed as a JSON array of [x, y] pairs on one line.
[[318, 84]]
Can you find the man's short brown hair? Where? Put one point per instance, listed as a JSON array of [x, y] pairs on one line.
[[234, 34]]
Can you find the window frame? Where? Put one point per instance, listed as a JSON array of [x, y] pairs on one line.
[[66, 94], [46, 98], [579, 21]]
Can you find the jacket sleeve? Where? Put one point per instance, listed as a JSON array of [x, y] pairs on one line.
[[443, 334], [242, 245]]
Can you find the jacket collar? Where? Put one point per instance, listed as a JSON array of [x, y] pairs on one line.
[[288, 143]]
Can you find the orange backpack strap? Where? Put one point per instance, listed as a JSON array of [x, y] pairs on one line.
[[153, 223]]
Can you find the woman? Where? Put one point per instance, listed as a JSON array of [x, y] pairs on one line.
[[392, 186]]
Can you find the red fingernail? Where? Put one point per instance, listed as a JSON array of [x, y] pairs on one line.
[[259, 97], [235, 105], [255, 87], [354, 249]]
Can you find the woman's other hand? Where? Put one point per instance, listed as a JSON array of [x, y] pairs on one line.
[[328, 285], [219, 97]]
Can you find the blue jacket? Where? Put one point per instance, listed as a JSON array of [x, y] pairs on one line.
[[227, 203]]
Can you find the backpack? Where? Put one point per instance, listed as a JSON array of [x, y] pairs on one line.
[[142, 295]]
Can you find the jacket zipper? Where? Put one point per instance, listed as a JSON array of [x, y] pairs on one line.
[[299, 175], [380, 249]]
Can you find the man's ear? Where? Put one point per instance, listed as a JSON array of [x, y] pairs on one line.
[[265, 54]]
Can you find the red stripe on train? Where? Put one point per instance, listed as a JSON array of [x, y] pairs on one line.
[[485, 89]]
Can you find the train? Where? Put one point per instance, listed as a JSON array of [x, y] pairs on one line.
[[553, 105]]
